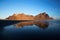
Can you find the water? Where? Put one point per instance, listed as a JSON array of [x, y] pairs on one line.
[[31, 30]]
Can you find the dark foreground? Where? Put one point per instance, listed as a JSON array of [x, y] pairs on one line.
[[10, 22], [32, 31]]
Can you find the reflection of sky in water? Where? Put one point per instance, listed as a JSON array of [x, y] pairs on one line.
[[12, 31]]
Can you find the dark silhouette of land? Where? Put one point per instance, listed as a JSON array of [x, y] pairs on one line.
[[11, 22]]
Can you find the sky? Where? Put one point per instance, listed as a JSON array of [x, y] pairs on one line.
[[30, 7]]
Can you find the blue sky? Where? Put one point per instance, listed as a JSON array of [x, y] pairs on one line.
[[31, 7]]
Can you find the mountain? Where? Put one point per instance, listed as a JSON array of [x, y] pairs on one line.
[[43, 16], [22, 16]]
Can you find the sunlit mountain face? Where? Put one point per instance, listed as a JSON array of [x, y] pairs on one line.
[[40, 16]]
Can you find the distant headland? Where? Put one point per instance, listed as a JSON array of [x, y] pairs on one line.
[[22, 16]]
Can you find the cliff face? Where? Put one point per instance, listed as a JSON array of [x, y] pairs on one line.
[[20, 17], [41, 16]]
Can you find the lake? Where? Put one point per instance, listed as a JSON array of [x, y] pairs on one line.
[[31, 30]]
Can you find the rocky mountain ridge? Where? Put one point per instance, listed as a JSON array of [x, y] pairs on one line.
[[22, 16]]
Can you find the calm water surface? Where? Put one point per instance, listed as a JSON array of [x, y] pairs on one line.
[[29, 30]]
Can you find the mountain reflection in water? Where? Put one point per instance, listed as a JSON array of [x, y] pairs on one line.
[[37, 23]]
